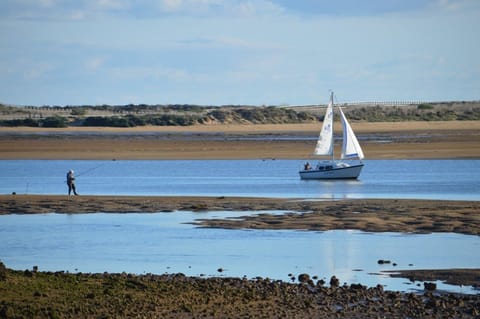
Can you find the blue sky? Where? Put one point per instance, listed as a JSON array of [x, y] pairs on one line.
[[217, 52]]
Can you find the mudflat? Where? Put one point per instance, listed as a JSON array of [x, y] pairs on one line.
[[393, 140], [374, 215]]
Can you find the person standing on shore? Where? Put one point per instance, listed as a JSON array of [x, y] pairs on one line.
[[71, 183]]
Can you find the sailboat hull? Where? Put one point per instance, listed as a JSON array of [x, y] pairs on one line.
[[333, 172]]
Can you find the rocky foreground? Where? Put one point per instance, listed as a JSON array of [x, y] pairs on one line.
[[33, 294]]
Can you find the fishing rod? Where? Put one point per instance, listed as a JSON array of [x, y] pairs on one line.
[[90, 170]]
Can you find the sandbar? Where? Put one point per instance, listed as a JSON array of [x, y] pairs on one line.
[[395, 140], [372, 215]]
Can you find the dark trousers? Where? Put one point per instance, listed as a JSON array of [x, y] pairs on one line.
[[71, 187]]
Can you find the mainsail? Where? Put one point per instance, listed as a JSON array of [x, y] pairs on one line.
[[350, 148], [325, 140]]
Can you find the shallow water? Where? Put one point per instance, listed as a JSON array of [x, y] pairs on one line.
[[422, 179], [158, 243], [164, 243]]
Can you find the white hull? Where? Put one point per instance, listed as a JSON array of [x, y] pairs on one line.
[[333, 172]]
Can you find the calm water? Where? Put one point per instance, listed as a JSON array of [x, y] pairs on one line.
[[423, 179], [163, 243], [159, 243]]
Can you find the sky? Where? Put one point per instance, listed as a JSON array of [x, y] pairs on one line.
[[237, 52]]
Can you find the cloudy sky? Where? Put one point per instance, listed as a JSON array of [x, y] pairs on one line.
[[216, 52]]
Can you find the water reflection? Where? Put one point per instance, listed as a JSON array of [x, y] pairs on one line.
[[335, 190]]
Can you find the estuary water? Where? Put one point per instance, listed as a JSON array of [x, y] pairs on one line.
[[421, 179], [164, 243]]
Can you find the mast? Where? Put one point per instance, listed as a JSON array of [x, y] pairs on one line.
[[333, 120]]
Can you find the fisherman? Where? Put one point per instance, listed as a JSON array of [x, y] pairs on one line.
[[71, 183]]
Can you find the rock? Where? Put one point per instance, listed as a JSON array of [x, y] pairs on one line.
[[320, 283], [430, 286], [303, 278], [356, 286], [3, 272], [334, 282]]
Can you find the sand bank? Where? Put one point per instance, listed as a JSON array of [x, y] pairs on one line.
[[398, 140], [375, 215]]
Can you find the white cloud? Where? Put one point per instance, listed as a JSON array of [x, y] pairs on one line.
[[38, 71], [94, 63], [235, 8], [457, 5], [112, 4], [47, 3], [171, 5]]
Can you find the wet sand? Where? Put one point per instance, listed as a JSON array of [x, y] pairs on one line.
[[397, 140], [457, 277], [374, 215]]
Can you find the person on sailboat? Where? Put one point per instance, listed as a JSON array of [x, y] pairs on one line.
[[71, 183]]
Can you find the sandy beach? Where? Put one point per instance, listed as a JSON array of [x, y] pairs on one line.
[[395, 140]]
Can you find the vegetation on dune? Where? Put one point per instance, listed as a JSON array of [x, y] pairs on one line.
[[183, 115]]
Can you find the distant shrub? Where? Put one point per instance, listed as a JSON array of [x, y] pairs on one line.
[[113, 121], [20, 122], [425, 106], [78, 111], [171, 120], [54, 121], [135, 120]]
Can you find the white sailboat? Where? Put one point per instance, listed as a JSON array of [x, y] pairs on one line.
[[351, 150]]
